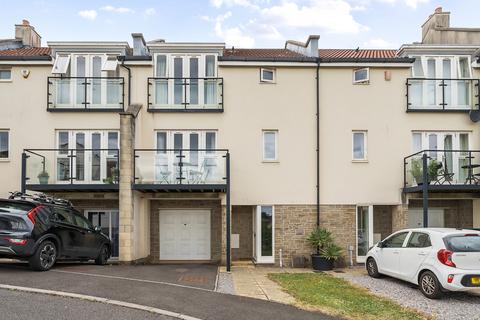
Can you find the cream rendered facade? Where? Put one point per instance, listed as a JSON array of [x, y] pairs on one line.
[[277, 197]]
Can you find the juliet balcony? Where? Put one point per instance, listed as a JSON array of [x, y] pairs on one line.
[[442, 95], [65, 170], [442, 171], [185, 94], [181, 170], [79, 94]]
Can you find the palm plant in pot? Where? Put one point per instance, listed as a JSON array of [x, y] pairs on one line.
[[327, 252]]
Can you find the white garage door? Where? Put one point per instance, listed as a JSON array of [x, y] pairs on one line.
[[184, 234]]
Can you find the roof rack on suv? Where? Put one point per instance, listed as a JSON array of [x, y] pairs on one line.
[[40, 197]]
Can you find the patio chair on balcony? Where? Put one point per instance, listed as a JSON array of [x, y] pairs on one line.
[[162, 173], [443, 175]]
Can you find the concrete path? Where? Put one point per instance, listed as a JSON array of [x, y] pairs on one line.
[[188, 300]]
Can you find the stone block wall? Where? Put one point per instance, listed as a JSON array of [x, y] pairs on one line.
[[215, 229]]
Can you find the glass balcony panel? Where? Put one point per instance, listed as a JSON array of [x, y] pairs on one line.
[[180, 167], [85, 93]]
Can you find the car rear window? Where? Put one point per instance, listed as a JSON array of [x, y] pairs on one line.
[[463, 243], [10, 223], [14, 207]]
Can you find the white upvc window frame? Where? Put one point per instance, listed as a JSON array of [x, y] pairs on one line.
[[274, 75], [363, 81], [365, 145], [8, 79], [259, 258], [61, 69], [110, 63], [269, 131], [9, 150]]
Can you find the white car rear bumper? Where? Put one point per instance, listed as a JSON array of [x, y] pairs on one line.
[[461, 279]]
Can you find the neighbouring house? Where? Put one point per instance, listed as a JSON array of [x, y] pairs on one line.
[[198, 152]]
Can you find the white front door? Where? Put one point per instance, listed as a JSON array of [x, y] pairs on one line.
[[184, 234], [264, 234], [364, 231], [435, 218]]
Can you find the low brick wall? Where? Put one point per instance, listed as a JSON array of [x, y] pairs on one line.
[[216, 224]]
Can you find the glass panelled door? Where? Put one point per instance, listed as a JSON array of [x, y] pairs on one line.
[[108, 221], [364, 231], [453, 164], [264, 237], [82, 157]]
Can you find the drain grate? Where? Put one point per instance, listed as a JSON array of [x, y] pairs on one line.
[[193, 279]]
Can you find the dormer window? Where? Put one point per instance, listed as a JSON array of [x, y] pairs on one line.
[[61, 65]]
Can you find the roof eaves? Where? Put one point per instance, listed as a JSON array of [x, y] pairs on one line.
[[367, 60], [267, 59], [25, 58]]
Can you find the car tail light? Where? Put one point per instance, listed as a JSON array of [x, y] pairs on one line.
[[450, 278], [17, 241], [445, 257], [33, 213]]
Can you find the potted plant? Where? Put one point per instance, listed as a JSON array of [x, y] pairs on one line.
[[433, 167], [43, 177], [327, 252], [113, 178], [417, 171]]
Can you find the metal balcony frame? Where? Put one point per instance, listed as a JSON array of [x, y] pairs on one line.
[[50, 108], [475, 96], [72, 186], [185, 104]]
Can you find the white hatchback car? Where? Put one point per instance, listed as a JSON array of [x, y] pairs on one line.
[[435, 259]]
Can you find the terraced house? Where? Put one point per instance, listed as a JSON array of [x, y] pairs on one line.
[[198, 152]]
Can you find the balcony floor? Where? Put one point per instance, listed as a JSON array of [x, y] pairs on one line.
[[73, 187], [180, 187], [445, 188]]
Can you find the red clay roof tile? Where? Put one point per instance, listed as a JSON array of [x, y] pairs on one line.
[[26, 52]]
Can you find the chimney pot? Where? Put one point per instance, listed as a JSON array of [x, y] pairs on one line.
[[438, 10]]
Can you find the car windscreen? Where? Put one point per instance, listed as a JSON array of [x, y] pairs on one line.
[[463, 243]]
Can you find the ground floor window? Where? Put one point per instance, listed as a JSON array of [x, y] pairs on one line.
[[108, 221]]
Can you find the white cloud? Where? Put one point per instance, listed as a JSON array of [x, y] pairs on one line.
[[411, 3], [117, 9], [333, 16], [241, 3], [88, 14], [263, 30], [379, 43], [150, 11], [232, 36]]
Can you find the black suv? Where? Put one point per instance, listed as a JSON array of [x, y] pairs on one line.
[[42, 230]]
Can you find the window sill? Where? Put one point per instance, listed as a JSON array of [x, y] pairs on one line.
[[360, 161], [267, 82], [4, 160], [364, 83], [6, 81], [270, 161]]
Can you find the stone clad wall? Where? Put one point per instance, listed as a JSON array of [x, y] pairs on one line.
[[294, 223], [242, 224]]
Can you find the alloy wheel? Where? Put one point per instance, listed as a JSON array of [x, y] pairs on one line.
[[428, 284], [371, 266], [48, 256]]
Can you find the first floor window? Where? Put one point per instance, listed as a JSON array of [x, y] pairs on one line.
[[270, 145], [4, 145], [360, 145], [5, 74], [267, 75], [361, 75]]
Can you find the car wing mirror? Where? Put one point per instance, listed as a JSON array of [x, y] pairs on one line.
[[380, 244], [97, 229]]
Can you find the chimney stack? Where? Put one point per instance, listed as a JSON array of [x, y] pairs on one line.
[[139, 45], [27, 34], [439, 19]]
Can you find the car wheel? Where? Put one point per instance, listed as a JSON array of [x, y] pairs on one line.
[[103, 256], [372, 268], [44, 257], [430, 286]]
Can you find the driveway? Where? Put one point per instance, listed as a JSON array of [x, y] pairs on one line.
[[13, 304], [185, 289], [452, 306]]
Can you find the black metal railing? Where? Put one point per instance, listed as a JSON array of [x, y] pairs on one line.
[[70, 166], [185, 94], [442, 168], [173, 167], [85, 93], [437, 94]]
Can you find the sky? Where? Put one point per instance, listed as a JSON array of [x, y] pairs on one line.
[[239, 23]]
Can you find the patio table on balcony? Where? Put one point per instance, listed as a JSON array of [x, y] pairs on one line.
[[471, 177]]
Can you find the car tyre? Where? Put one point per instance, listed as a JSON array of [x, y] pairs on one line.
[[44, 257], [372, 268], [430, 286], [103, 256]]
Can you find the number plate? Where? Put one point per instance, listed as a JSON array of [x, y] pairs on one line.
[[475, 280]]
